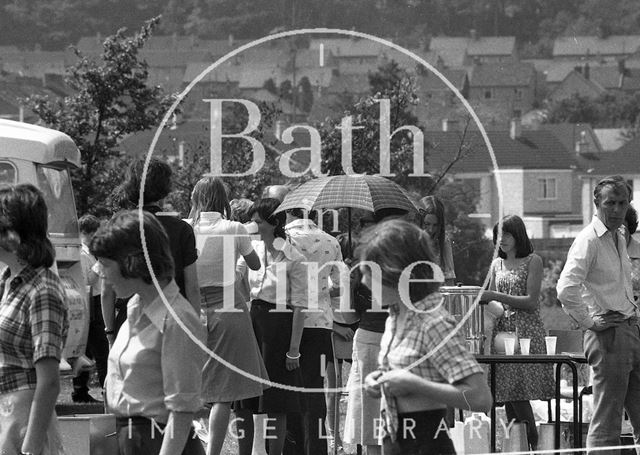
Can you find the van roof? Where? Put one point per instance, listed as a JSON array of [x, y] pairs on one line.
[[38, 144]]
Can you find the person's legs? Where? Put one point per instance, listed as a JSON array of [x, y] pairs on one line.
[[521, 411], [608, 354], [632, 400], [332, 407], [244, 431], [276, 430], [218, 423]]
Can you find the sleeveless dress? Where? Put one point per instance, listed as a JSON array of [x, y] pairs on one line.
[[520, 382]]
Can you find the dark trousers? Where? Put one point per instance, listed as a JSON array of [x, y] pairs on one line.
[[308, 430], [97, 348], [420, 433], [139, 436]]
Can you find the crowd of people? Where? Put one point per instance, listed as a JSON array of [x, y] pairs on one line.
[[239, 307]]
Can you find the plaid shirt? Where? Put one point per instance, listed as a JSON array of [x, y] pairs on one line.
[[421, 348], [33, 325]]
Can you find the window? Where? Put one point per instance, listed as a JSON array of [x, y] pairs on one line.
[[547, 188], [518, 93], [488, 94], [7, 173], [55, 185]]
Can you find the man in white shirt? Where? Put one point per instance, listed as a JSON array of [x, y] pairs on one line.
[[319, 249], [595, 290]]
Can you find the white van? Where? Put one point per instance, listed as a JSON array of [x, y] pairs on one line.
[[43, 157]]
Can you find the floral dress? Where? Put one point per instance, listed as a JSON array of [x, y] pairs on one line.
[[520, 381]]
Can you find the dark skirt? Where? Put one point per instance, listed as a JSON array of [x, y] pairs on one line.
[[421, 433], [273, 331]]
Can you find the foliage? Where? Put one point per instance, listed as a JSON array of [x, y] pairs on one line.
[[55, 23], [391, 83], [472, 251], [237, 158], [606, 111], [551, 273], [111, 100]]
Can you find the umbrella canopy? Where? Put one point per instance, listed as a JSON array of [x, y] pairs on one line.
[[367, 192]]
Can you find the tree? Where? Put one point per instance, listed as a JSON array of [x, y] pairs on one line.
[[111, 100], [609, 110]]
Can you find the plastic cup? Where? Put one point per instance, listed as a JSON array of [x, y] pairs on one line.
[[525, 344], [551, 344], [509, 345]]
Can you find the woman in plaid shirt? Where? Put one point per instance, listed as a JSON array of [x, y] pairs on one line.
[[33, 325], [424, 365]]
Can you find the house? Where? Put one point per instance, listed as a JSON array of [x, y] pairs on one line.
[[436, 101], [595, 48], [592, 81], [535, 178], [610, 138], [462, 51], [506, 89], [351, 55], [577, 83], [624, 161]]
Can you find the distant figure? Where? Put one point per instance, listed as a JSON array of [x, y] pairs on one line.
[[229, 330], [97, 344], [182, 242], [323, 251], [33, 325], [278, 332], [596, 291], [434, 222], [154, 373]]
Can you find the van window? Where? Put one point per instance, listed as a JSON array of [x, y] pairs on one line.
[[7, 173], [55, 184]]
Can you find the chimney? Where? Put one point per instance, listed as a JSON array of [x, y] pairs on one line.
[[586, 71], [582, 145], [473, 34], [516, 128], [622, 68], [230, 40]]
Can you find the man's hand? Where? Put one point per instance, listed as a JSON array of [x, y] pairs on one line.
[[606, 321]]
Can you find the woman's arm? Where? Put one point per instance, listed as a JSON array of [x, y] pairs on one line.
[[297, 326], [44, 401], [176, 432], [191, 287], [108, 304], [523, 302], [471, 393]]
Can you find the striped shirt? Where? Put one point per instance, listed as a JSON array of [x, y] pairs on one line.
[[33, 325]]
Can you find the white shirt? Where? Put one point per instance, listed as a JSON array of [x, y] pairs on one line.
[[597, 276], [281, 280], [154, 367], [318, 248], [219, 243]]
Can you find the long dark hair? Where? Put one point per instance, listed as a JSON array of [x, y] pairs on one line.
[[23, 224], [514, 225], [120, 240]]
